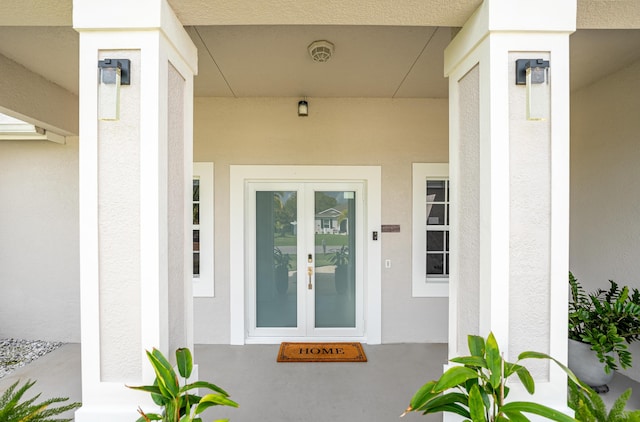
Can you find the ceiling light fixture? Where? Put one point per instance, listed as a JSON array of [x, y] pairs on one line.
[[320, 51], [303, 108]]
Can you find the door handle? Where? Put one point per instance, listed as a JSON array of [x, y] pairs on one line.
[[310, 273]]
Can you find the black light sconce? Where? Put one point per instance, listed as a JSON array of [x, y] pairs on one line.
[[303, 108], [113, 73], [534, 73]]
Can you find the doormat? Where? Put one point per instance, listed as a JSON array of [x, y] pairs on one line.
[[321, 352]]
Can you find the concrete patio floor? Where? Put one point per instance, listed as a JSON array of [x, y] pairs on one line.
[[376, 391]]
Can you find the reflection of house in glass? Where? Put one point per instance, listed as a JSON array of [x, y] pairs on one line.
[[332, 221]]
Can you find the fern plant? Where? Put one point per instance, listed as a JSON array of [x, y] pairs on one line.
[[14, 409], [608, 320], [590, 407]]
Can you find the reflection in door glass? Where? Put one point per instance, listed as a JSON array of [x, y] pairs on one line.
[[276, 251], [335, 246]]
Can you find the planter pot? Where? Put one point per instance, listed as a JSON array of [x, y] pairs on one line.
[[342, 279], [282, 279], [585, 364]]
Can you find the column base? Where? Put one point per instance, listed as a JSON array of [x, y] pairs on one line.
[[121, 404]]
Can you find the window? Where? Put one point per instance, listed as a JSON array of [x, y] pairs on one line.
[[430, 230], [203, 285]]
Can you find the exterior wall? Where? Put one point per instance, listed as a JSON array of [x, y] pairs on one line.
[[605, 193], [468, 203], [177, 302], [119, 241], [390, 133], [39, 264], [530, 230]]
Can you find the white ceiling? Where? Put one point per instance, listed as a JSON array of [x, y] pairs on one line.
[[272, 61]]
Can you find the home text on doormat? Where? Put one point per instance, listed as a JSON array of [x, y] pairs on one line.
[[321, 352]]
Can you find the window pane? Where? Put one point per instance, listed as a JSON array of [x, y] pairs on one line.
[[196, 190], [437, 188], [196, 264], [276, 255], [196, 214], [335, 273], [435, 264], [435, 240], [196, 240], [435, 214], [447, 264]]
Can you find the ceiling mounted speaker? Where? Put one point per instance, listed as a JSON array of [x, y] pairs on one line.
[[321, 51]]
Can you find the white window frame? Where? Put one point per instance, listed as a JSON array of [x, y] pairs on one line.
[[203, 286], [421, 285]]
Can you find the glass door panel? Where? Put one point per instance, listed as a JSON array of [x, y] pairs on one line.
[[276, 254], [305, 271], [335, 247]]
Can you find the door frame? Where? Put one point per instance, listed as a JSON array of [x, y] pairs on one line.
[[238, 178]]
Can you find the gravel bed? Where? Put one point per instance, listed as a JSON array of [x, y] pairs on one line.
[[15, 353]]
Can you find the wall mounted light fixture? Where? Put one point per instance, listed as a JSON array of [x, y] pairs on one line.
[[534, 73], [303, 108], [113, 73]]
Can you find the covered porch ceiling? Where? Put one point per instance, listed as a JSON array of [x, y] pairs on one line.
[[261, 51]]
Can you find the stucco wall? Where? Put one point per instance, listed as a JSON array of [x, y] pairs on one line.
[[39, 275], [468, 210], [605, 188], [389, 133]]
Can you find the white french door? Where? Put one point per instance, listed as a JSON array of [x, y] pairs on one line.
[[305, 259]]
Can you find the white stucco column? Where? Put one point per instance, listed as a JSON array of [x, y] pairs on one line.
[[510, 181], [135, 193]]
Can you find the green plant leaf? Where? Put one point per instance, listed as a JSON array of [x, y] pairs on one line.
[[617, 410], [536, 409], [443, 400], [176, 403], [146, 388], [14, 408], [476, 345], [471, 361], [422, 396], [539, 355], [204, 384], [185, 362], [214, 400], [452, 408], [166, 376], [149, 416], [494, 361], [514, 415], [453, 377], [476, 405], [526, 379]]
